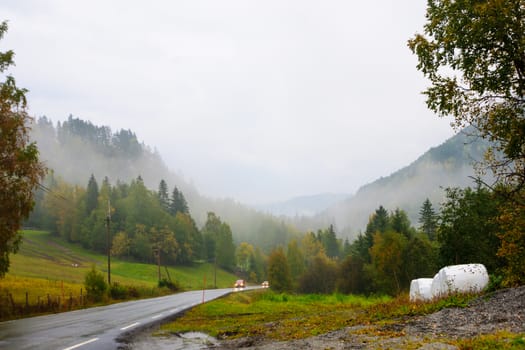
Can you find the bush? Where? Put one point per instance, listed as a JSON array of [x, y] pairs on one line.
[[495, 283], [133, 292], [95, 285], [118, 291], [173, 286]]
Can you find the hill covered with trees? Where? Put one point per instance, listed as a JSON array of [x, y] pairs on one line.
[[450, 164], [76, 149], [148, 223]]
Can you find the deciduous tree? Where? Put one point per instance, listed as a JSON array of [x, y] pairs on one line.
[[278, 272], [351, 276], [387, 261], [243, 255], [467, 230], [296, 260], [320, 276], [473, 53], [20, 169], [512, 249]]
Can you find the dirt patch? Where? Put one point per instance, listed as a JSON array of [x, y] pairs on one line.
[[502, 310]]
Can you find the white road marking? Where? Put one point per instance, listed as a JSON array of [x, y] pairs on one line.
[[131, 325], [156, 316], [81, 344], [174, 310]]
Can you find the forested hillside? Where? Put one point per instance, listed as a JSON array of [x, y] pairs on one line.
[[75, 149], [405, 237], [448, 165]]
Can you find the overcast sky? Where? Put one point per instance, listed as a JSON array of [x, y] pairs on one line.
[[253, 100]]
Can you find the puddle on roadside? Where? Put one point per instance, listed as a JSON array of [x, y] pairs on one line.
[[190, 340]]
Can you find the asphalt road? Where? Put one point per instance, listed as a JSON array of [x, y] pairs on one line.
[[97, 328]]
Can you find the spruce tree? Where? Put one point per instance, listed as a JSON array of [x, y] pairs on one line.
[[331, 244], [178, 203], [91, 195], [163, 195], [428, 219]]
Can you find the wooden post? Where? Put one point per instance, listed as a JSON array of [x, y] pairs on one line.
[[203, 288], [108, 220]]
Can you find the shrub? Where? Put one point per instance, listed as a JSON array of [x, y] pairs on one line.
[[133, 292], [95, 285], [118, 291], [173, 286]]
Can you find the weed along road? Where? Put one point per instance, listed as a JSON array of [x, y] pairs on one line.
[[99, 327]]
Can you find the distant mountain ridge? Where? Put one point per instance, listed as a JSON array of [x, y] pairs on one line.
[[447, 165], [303, 205]]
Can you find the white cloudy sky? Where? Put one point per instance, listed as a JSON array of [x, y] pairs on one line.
[[254, 100]]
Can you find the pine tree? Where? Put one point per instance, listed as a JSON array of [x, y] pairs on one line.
[[400, 223], [163, 195], [91, 195], [330, 243], [379, 221], [218, 241], [428, 219], [178, 203]]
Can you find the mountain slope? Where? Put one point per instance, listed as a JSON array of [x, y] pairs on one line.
[[75, 149], [448, 165]]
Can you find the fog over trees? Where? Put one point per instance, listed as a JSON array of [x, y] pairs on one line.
[[76, 150]]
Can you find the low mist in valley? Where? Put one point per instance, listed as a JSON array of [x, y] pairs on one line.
[[75, 149]]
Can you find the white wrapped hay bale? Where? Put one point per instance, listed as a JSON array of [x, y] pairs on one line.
[[459, 279], [435, 288], [420, 289]]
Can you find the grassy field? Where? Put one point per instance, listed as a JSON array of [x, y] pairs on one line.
[[284, 317], [46, 265], [253, 313]]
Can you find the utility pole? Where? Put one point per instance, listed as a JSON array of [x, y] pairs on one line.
[[215, 271], [108, 220], [156, 251], [215, 264]]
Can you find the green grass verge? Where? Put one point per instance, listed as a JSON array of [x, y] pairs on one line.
[[276, 316], [263, 313]]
